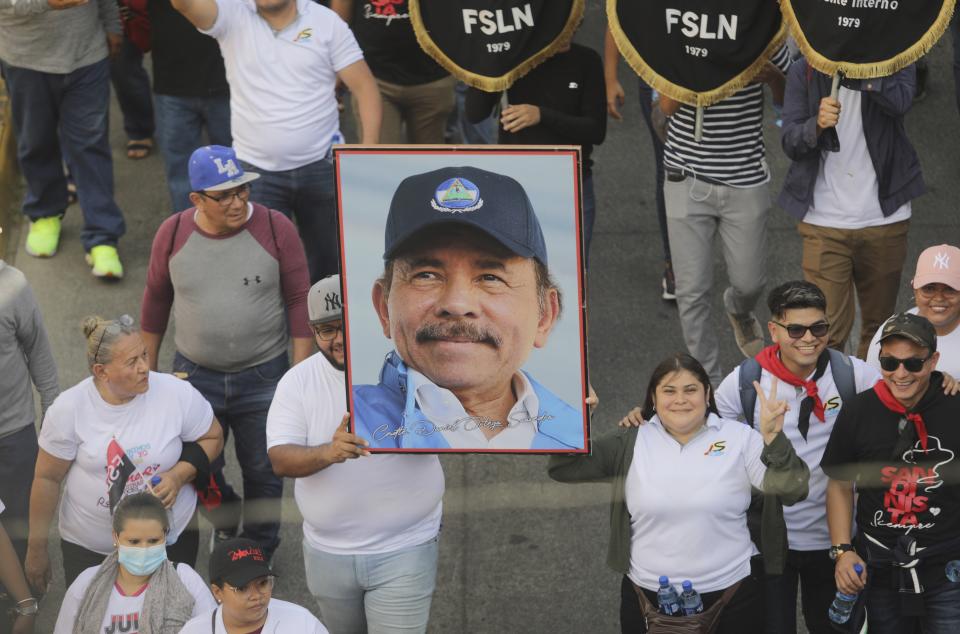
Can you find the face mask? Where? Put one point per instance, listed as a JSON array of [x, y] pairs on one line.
[[142, 561]]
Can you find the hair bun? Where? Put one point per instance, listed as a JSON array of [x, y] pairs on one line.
[[90, 325]]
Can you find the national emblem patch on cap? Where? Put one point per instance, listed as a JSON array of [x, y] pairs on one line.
[[456, 195]]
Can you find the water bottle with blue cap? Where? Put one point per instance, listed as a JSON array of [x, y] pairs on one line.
[[668, 602], [842, 607], [690, 601]]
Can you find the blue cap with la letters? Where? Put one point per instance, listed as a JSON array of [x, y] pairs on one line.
[[494, 203], [215, 168]]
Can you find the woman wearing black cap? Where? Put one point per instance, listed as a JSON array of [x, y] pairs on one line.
[[242, 583]]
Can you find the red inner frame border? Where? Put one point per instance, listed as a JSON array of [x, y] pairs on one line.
[[514, 150]]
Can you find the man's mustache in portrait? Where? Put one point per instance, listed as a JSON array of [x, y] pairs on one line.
[[460, 330]]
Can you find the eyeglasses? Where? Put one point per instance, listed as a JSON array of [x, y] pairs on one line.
[[797, 331], [913, 364], [327, 333], [262, 585], [241, 193], [927, 291], [116, 327]]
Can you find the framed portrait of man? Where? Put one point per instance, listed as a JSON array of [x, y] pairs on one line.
[[464, 314]]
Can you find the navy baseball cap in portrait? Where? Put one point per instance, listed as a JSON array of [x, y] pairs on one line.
[[494, 203]]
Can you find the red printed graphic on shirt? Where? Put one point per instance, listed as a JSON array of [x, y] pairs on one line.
[[907, 502], [388, 10], [125, 472]]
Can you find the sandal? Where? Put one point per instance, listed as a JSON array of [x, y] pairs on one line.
[[137, 150]]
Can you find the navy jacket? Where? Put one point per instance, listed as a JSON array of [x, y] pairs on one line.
[[885, 101]]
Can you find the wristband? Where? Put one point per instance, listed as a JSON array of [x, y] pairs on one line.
[[27, 610]]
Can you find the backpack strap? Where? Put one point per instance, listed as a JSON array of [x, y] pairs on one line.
[[841, 367], [749, 372]]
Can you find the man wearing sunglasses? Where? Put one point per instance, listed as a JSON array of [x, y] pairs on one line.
[[815, 382], [898, 444], [235, 275], [379, 515], [936, 291]]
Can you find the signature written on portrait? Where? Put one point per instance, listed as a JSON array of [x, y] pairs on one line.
[[467, 423]]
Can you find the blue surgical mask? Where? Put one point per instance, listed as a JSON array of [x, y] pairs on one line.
[[142, 561]]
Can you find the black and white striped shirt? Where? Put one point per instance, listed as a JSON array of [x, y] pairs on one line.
[[731, 150]]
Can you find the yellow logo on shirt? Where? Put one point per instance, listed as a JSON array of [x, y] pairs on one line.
[[716, 448], [304, 35]]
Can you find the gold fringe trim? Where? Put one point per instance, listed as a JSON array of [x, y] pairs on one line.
[[677, 92], [875, 69], [484, 82]]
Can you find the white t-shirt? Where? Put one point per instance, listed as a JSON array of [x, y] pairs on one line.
[[444, 410], [845, 195], [123, 611], [373, 504], [948, 346], [806, 520], [282, 618], [283, 109], [688, 504], [151, 430]]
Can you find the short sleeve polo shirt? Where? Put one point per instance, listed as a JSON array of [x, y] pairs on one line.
[[283, 107]]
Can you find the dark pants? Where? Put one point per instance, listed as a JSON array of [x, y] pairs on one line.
[[240, 401], [589, 215], [180, 125], [18, 456], [66, 117], [132, 87], [742, 615], [76, 558], [955, 36], [646, 105], [309, 195], [941, 611], [814, 569]]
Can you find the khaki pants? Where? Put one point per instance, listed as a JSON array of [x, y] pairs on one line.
[[423, 107], [868, 261]]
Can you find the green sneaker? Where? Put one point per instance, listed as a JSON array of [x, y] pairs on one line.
[[105, 262], [44, 237]]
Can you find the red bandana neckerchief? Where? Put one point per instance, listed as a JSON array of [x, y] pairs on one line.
[[886, 397], [769, 360]]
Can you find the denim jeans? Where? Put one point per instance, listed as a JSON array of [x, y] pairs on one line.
[[18, 456], [240, 401], [180, 125], [379, 594], [132, 86], [66, 117], [481, 133], [814, 569], [646, 105], [941, 608], [309, 195]]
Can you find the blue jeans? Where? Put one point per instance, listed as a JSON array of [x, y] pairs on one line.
[[814, 570], [646, 105], [240, 401], [379, 594], [66, 117], [482, 133], [941, 610], [309, 195], [180, 125], [132, 86]]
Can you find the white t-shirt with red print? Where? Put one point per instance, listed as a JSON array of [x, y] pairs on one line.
[[139, 439]]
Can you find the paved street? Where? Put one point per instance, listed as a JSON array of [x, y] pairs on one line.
[[518, 552]]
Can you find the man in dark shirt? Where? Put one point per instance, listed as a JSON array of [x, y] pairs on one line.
[[190, 94], [561, 101], [417, 93], [898, 443]]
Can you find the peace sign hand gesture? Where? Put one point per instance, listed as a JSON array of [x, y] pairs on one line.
[[772, 411]]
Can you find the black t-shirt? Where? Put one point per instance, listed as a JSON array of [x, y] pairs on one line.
[[569, 90], [901, 488], [385, 35], [186, 63]]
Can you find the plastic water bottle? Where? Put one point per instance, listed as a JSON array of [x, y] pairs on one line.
[[690, 601], [155, 480], [953, 570], [842, 607], [667, 600]]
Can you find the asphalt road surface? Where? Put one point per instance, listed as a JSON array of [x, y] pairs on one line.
[[518, 552]]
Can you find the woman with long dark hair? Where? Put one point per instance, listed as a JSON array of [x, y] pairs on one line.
[[682, 484]]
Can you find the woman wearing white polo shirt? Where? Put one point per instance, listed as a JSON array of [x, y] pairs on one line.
[[682, 486], [109, 436]]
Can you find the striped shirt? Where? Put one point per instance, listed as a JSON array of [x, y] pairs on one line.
[[731, 150]]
